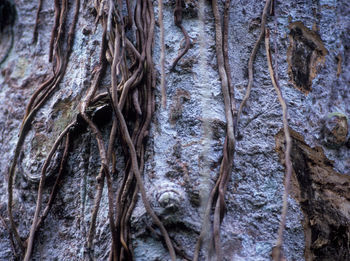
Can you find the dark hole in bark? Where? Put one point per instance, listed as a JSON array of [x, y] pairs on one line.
[[7, 14], [102, 115], [305, 53]]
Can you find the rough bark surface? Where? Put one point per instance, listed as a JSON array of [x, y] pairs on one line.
[[186, 139]]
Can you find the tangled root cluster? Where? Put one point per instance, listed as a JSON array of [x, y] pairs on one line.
[[126, 47]]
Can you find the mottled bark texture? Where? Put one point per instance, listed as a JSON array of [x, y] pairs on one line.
[[125, 136]]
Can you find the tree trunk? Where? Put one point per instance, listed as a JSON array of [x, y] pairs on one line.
[[201, 165]]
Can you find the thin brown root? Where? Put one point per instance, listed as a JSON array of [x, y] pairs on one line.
[[178, 23], [10, 236], [57, 182], [135, 168], [251, 61], [92, 228], [35, 32], [162, 53], [54, 29], [40, 192], [277, 256]]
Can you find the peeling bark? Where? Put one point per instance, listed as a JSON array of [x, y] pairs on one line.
[[324, 197]]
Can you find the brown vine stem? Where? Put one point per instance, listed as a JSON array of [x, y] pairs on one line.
[[130, 20], [95, 210], [123, 250], [221, 38], [222, 71], [11, 238], [35, 31], [136, 170], [54, 29], [150, 79], [226, 59], [44, 88], [57, 182], [128, 187], [227, 161], [251, 61], [131, 208], [40, 192], [277, 253], [62, 20], [178, 23], [114, 99], [128, 82], [109, 18], [98, 135], [37, 105], [33, 106], [275, 36], [162, 53], [206, 222]]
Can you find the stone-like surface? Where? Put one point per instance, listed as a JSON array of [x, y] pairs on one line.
[[186, 139]]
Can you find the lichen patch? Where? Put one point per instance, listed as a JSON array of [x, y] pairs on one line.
[[177, 106], [306, 54]]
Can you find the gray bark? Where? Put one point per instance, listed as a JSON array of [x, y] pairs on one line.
[[184, 148]]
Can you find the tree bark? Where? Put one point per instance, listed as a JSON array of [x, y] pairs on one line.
[[179, 154]]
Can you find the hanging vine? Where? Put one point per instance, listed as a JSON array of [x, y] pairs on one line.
[[217, 194], [178, 23], [39, 97], [131, 97]]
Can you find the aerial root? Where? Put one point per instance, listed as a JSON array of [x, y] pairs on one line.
[[277, 254], [178, 23]]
